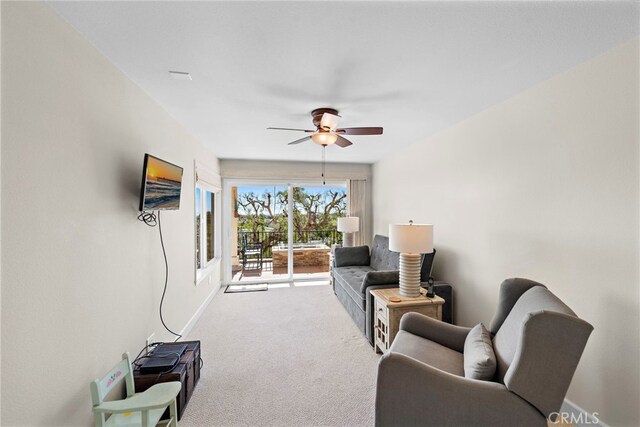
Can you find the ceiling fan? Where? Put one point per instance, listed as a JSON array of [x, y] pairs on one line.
[[327, 132]]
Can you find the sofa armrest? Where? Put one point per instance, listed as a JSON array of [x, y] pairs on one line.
[[412, 393], [352, 256], [445, 334], [385, 277]]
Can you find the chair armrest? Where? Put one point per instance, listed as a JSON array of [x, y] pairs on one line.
[[156, 397], [384, 277], [446, 334], [352, 256], [410, 392]]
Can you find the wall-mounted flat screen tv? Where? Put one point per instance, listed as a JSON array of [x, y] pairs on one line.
[[161, 185]]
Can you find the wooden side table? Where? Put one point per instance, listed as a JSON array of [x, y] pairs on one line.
[[388, 314]]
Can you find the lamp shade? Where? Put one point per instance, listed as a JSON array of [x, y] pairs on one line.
[[349, 224], [411, 238], [324, 138]]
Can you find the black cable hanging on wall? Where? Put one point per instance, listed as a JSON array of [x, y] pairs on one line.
[[151, 219]]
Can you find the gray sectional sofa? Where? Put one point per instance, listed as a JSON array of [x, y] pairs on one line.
[[356, 272]]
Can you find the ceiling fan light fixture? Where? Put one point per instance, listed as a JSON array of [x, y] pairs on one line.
[[324, 138], [329, 121], [325, 121]]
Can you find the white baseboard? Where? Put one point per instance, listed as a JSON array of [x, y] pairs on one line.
[[580, 417], [194, 319]]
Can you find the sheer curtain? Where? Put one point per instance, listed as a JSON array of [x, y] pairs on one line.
[[358, 207]]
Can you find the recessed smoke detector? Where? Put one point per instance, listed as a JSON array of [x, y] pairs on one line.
[[180, 75]]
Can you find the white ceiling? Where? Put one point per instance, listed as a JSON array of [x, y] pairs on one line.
[[414, 68]]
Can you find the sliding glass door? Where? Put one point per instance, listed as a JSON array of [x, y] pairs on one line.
[[282, 231], [315, 213], [261, 230]]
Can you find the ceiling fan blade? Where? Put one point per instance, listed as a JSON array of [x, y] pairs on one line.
[[298, 141], [360, 131], [343, 142], [329, 121], [301, 130]]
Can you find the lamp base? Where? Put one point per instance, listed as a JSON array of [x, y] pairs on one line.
[[410, 275], [347, 239]]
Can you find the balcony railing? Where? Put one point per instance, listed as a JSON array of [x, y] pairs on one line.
[[268, 239]]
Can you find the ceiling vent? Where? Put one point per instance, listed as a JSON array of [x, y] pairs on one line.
[[180, 75]]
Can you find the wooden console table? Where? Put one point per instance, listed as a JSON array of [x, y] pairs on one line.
[[187, 371], [387, 314]]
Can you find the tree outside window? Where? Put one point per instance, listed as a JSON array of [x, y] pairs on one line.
[[205, 227]]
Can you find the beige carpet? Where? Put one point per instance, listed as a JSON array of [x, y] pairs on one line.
[[285, 357]]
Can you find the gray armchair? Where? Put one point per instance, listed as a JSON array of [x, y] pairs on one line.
[[538, 342]]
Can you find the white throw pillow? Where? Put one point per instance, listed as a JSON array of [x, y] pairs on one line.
[[479, 358]]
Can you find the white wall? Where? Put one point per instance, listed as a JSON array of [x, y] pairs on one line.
[[266, 169], [545, 186], [81, 276], [0, 213]]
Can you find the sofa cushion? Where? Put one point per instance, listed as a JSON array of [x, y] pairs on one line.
[[381, 257], [428, 352], [351, 255], [479, 358], [427, 263], [373, 278], [350, 278]]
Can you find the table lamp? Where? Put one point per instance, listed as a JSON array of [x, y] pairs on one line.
[[411, 240], [348, 226]]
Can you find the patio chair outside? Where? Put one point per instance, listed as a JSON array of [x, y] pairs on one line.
[[251, 255]]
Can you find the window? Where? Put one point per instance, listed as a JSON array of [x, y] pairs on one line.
[[198, 228], [207, 220], [205, 211]]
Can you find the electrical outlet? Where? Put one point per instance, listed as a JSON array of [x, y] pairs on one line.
[[149, 341]]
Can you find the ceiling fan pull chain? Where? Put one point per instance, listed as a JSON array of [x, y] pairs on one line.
[[323, 177]]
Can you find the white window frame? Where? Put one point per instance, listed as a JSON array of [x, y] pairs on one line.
[[206, 266]]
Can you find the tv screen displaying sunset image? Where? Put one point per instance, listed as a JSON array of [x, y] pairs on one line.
[[162, 182]]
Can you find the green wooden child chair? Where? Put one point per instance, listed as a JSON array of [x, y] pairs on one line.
[[137, 409]]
